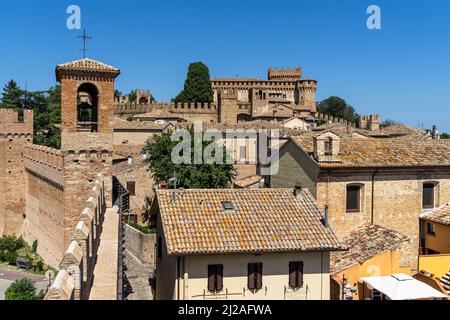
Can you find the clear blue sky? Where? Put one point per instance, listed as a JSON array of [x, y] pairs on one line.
[[401, 72]]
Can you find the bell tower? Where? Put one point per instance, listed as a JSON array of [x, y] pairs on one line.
[[87, 123]]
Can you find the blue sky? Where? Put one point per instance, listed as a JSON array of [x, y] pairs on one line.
[[401, 72]]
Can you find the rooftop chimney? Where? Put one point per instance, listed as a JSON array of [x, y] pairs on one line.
[[298, 189]]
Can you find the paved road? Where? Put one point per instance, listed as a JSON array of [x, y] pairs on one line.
[[7, 277]]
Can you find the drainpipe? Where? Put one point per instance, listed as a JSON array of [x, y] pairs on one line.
[[178, 278], [373, 197]]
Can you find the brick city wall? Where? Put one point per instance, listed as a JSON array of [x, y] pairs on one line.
[[44, 201], [77, 263], [14, 136]]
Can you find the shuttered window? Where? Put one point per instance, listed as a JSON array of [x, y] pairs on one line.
[[353, 198], [296, 274], [255, 276], [215, 277], [131, 187]]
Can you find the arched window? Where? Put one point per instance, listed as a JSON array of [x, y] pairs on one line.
[[428, 195], [243, 118], [87, 108], [143, 100], [353, 198]]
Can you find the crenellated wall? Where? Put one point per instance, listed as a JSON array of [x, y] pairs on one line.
[[14, 136], [77, 262], [46, 163]]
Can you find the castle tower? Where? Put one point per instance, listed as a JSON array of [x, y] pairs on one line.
[[87, 122], [284, 75], [371, 122], [306, 94], [143, 97], [14, 136], [228, 106]]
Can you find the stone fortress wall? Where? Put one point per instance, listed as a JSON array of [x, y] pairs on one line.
[[45, 202], [76, 264], [14, 136]]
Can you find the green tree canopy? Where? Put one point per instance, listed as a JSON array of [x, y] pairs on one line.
[[189, 176], [197, 87], [445, 136], [12, 96], [338, 107], [23, 289]]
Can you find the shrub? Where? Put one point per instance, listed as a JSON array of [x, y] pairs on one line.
[[34, 246], [12, 243], [23, 289]]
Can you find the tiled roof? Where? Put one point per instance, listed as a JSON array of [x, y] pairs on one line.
[[247, 181], [404, 131], [263, 220], [380, 153], [363, 243], [341, 129], [440, 215], [87, 65], [158, 114]]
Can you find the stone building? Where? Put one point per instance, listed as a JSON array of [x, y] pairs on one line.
[[14, 136], [242, 244], [285, 94], [381, 181]]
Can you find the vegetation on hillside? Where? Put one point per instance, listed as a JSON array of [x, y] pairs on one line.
[[197, 87], [12, 248]]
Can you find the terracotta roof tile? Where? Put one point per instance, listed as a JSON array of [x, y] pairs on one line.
[[373, 152], [364, 243], [263, 220], [440, 215], [87, 65], [247, 181]]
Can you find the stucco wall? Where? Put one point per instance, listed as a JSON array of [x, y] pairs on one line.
[[194, 270]]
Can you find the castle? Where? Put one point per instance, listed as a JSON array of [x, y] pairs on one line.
[[285, 94]]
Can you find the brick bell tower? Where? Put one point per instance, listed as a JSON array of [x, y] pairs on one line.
[[87, 122]]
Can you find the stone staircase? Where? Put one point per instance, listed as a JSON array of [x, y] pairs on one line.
[[445, 281]]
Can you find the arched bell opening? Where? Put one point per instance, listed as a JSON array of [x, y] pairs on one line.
[[87, 108]]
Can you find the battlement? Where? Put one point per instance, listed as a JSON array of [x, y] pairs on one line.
[[44, 162], [191, 107], [131, 108], [75, 278], [11, 126], [370, 122], [307, 84], [285, 75]]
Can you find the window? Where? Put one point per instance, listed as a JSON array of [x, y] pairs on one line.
[[329, 147], [296, 274], [255, 276], [243, 152], [353, 198], [428, 195], [159, 248], [431, 228], [131, 187], [215, 277]]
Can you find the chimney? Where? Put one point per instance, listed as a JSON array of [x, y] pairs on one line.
[[298, 189], [434, 132]]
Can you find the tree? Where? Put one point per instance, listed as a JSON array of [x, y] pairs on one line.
[[23, 289], [47, 116], [445, 136], [197, 87], [12, 96], [189, 176], [388, 122], [132, 96], [338, 107]]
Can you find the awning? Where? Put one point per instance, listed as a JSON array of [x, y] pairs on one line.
[[402, 287]]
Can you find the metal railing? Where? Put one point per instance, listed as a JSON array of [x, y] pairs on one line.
[[121, 199]]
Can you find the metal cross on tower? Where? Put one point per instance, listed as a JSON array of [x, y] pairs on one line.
[[85, 38]]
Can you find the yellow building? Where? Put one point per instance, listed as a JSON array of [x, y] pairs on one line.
[[435, 243], [372, 251], [242, 244]]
